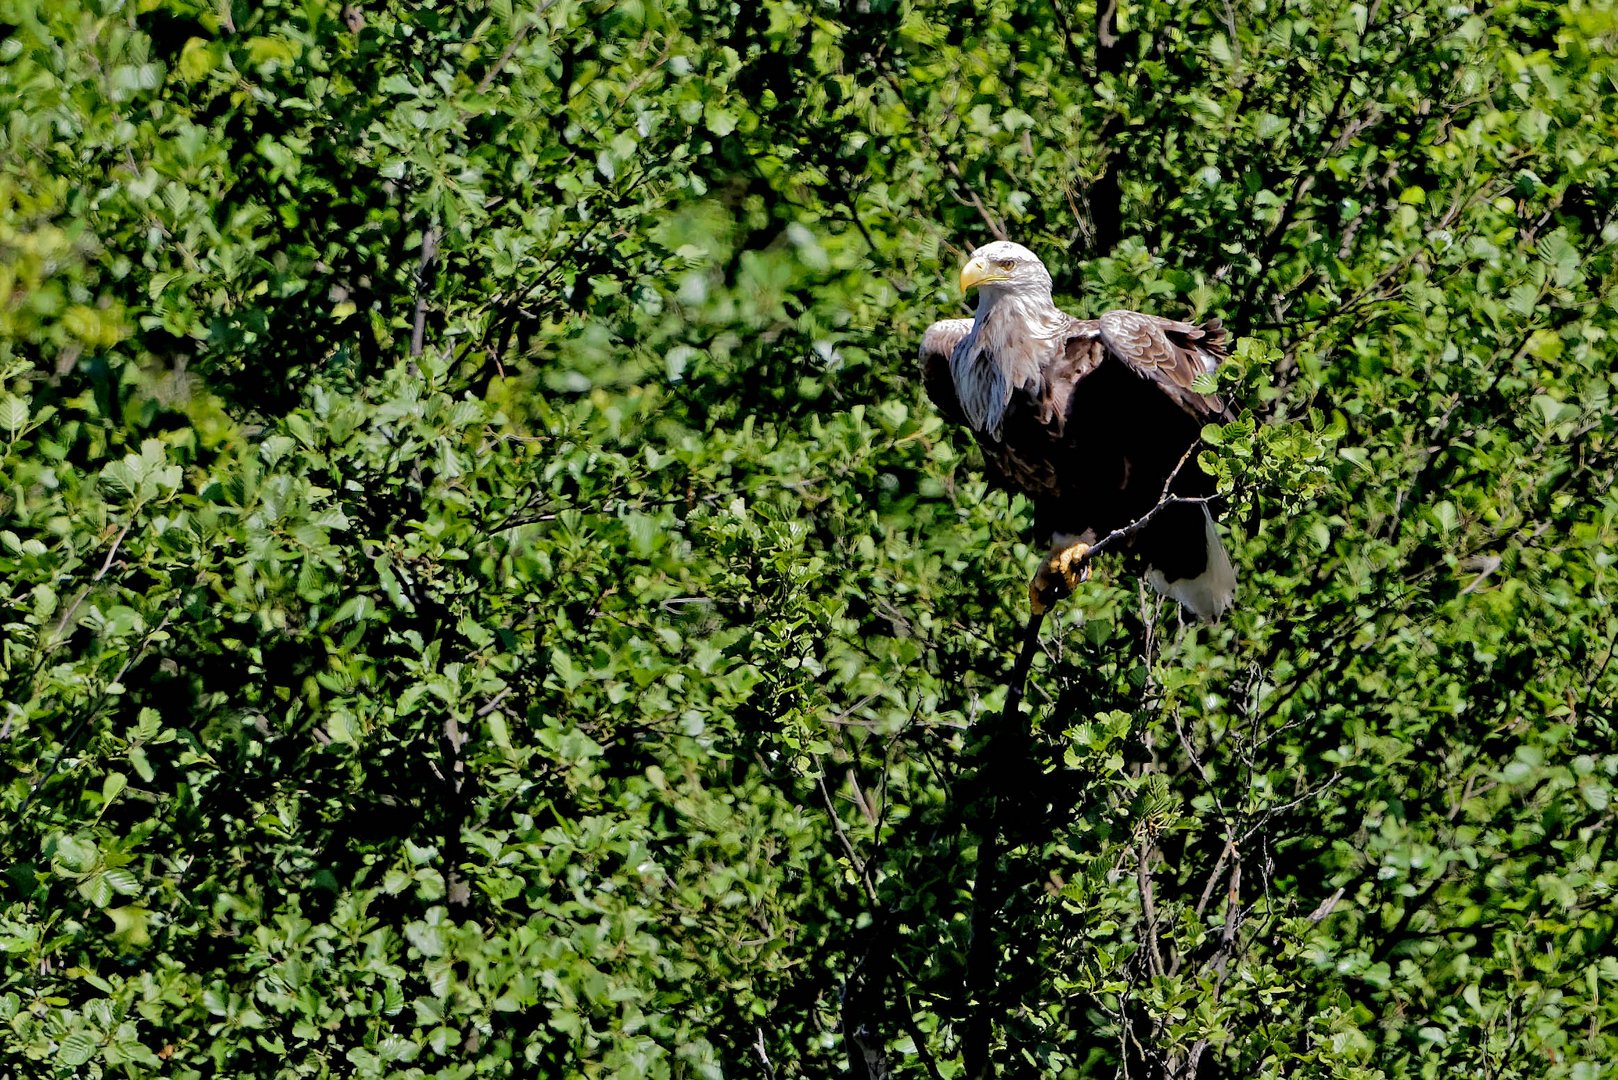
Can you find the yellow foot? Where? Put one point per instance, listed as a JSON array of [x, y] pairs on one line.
[[1060, 574], [1073, 563]]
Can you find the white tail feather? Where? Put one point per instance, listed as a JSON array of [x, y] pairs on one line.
[[1210, 593]]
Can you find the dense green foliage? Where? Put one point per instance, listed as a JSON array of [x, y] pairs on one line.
[[482, 592]]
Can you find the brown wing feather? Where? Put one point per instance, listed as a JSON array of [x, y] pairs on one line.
[[1081, 353], [1172, 354], [937, 343]]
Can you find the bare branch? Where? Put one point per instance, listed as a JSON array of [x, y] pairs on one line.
[[429, 252], [1124, 532], [854, 859], [106, 564], [1327, 906], [493, 703], [1148, 907], [758, 1046]]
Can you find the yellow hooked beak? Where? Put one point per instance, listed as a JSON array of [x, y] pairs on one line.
[[979, 272]]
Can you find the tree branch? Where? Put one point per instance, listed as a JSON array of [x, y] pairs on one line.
[[983, 958], [424, 274]]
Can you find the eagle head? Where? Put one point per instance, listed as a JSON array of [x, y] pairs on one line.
[[1004, 268]]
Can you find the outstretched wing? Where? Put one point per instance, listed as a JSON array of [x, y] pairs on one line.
[[1173, 355], [936, 345]]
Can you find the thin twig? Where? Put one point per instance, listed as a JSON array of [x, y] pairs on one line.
[[758, 1045], [854, 860], [493, 703], [1148, 907], [996, 227], [83, 721], [510, 50], [1124, 532], [106, 564], [919, 1037], [1326, 906]]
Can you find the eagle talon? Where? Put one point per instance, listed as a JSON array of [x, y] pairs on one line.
[[1073, 563], [1059, 575]]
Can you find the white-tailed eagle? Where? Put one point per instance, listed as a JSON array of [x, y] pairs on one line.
[[1092, 419]]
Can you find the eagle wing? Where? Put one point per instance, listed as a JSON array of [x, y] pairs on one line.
[[1173, 355], [937, 343]]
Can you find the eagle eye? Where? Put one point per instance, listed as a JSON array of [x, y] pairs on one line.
[[1005, 264]]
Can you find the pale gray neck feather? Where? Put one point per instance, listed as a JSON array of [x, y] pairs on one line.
[[1014, 335]]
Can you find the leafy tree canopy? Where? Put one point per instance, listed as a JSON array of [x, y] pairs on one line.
[[483, 594]]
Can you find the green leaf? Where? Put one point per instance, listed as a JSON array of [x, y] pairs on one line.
[[719, 119], [198, 58], [111, 788], [76, 1049], [130, 925], [13, 413]]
